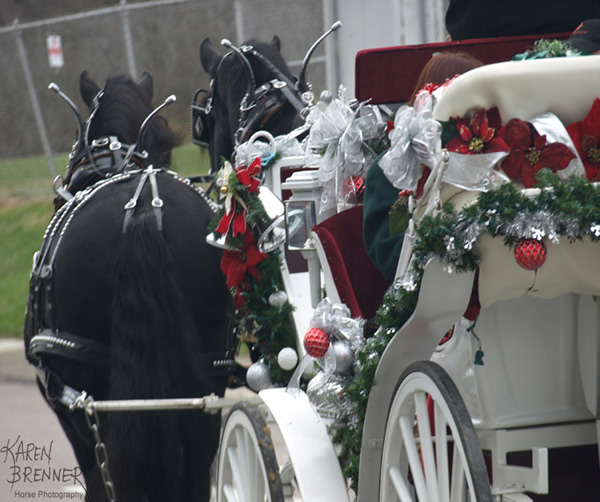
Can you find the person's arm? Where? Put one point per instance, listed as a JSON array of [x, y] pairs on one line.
[[382, 248]]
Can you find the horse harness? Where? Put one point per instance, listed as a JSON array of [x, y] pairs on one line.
[[259, 105], [45, 337]]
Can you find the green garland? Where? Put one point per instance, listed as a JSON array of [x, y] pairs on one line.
[[568, 210], [265, 328], [545, 48]]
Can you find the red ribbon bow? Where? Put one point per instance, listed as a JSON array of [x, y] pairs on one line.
[[247, 176]]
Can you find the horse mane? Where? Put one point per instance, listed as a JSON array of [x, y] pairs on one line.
[[121, 94], [273, 54], [238, 86]]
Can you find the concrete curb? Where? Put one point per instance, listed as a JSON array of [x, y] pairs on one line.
[[11, 344]]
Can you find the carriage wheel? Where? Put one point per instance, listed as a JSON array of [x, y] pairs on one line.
[[247, 470], [430, 448]]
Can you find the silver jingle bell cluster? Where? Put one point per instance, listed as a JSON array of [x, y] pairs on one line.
[[331, 345], [336, 365]]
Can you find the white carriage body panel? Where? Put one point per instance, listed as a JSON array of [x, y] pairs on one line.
[[531, 373], [316, 466]]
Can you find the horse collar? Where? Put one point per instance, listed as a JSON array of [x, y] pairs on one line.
[[103, 158]]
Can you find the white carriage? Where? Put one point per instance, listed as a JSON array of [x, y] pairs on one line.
[[439, 427]]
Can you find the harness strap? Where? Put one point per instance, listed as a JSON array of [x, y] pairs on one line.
[[285, 85], [157, 202], [55, 390], [258, 105], [64, 344]]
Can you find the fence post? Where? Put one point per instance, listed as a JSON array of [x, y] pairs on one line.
[[128, 39], [35, 104], [239, 22]]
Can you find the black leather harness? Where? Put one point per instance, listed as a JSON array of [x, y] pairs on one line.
[[259, 105], [45, 337], [41, 329]]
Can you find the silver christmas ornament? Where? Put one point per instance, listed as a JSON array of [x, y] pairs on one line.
[[328, 398], [278, 299], [343, 356], [258, 376]]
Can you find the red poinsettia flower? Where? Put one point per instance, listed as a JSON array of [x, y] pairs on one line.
[[430, 87], [586, 136], [239, 266], [530, 152], [479, 134]]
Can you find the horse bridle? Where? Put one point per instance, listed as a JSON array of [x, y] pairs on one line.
[[104, 158], [101, 158], [257, 107]]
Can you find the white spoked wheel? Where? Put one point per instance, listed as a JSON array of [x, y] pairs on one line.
[[430, 449], [247, 470]]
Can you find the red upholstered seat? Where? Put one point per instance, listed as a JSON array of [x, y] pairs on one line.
[[389, 74], [359, 284]]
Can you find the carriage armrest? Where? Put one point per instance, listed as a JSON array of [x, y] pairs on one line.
[[349, 273], [569, 267]]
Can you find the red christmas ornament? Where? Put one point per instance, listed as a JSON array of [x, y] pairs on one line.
[[530, 253], [316, 342], [354, 188]]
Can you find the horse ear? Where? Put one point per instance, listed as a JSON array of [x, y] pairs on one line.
[[146, 85], [209, 57], [88, 88], [276, 43]]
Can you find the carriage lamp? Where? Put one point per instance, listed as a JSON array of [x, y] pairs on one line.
[[300, 217], [303, 209], [302, 212]]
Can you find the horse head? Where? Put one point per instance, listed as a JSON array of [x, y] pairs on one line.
[[252, 89], [122, 132], [119, 110]]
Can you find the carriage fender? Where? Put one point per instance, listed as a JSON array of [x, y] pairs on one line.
[[443, 298], [316, 466]]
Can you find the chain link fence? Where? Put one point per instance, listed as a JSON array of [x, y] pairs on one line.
[[165, 40], [159, 36]]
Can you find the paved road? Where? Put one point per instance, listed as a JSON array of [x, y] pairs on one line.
[[32, 444]]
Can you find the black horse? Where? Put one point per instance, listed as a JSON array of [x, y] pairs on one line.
[[252, 89], [128, 302]]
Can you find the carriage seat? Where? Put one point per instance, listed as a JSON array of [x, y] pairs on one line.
[[350, 276]]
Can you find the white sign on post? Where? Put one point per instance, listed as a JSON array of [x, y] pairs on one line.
[[55, 53]]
